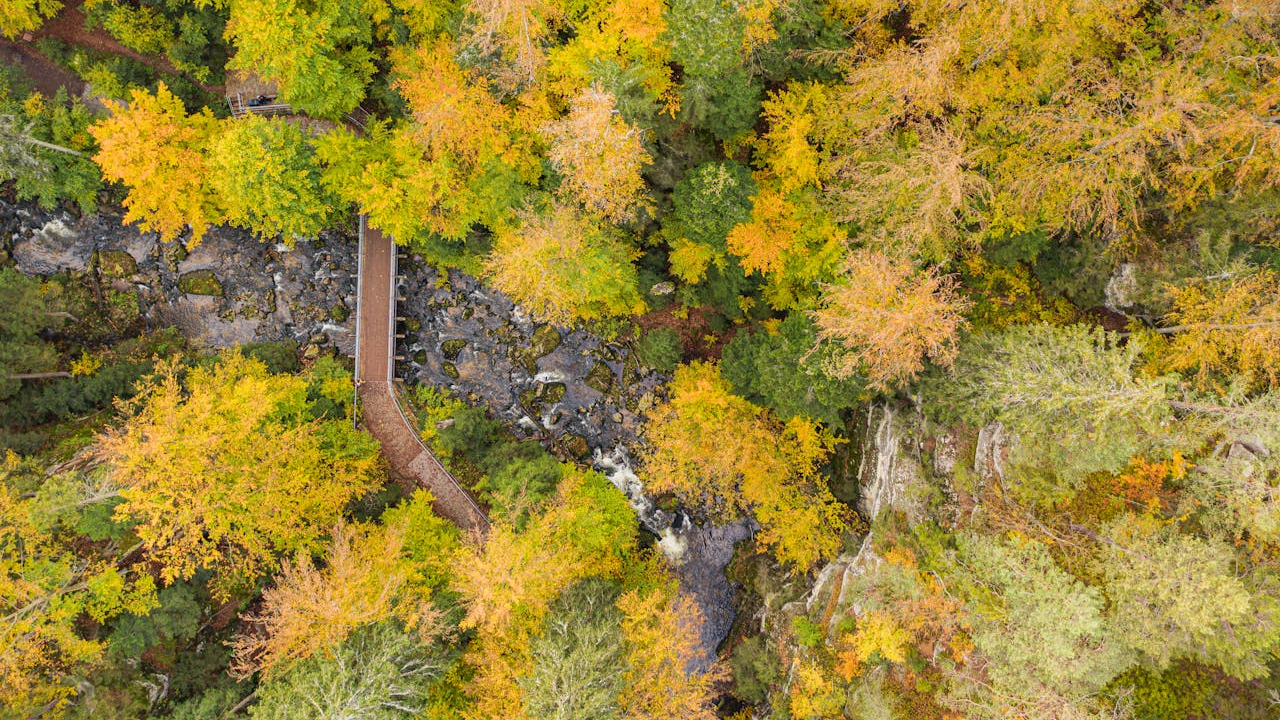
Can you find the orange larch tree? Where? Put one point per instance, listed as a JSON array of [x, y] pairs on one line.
[[889, 316]]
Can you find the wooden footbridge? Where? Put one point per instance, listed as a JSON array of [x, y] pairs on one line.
[[376, 391]]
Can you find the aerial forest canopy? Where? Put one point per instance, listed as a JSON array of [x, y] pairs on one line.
[[965, 316]]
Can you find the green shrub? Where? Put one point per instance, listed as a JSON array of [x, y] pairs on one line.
[[660, 349], [755, 668]]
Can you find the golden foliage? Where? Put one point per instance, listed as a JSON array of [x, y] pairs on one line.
[[312, 609], [762, 243], [513, 31], [661, 629], [720, 452], [455, 115], [155, 148], [890, 316], [1227, 329], [511, 580], [877, 633], [628, 32], [228, 470], [786, 148], [564, 266], [600, 155]]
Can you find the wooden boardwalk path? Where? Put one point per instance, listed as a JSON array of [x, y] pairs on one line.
[[375, 376]]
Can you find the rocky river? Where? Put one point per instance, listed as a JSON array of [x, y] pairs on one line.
[[567, 388]]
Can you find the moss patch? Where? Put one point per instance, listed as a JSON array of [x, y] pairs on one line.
[[545, 340], [600, 378], [451, 348], [115, 263], [200, 282]]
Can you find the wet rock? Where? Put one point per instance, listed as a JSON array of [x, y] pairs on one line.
[[58, 244], [889, 470], [200, 282], [663, 288], [577, 446], [267, 293]]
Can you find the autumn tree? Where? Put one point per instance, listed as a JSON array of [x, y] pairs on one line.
[[267, 177], [564, 266], [668, 676], [1070, 394], [19, 16], [55, 580], [229, 470], [316, 52], [993, 119], [369, 574], [156, 149], [509, 583], [1175, 595], [1226, 330], [724, 455], [890, 316], [600, 156], [512, 35]]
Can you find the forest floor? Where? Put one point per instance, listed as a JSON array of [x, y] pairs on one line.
[[69, 26], [43, 74]]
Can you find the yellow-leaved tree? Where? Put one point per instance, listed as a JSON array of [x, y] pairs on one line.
[[159, 151], [563, 265], [1225, 330], [600, 155], [889, 316], [228, 469], [19, 16], [509, 583], [725, 455], [370, 573], [668, 675]]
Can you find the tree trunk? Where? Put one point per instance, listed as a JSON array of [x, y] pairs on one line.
[[40, 376], [55, 148], [1172, 329]]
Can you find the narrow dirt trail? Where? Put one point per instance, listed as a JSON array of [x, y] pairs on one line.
[[69, 26]]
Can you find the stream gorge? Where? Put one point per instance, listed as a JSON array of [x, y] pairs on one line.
[[566, 388]]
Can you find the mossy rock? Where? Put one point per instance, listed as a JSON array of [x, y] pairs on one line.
[[529, 399], [269, 301], [551, 392], [450, 369], [179, 252], [115, 263], [451, 348], [576, 445], [412, 324], [420, 357], [600, 378], [200, 282], [339, 313], [525, 360], [545, 340]]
